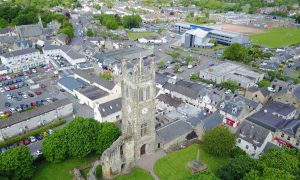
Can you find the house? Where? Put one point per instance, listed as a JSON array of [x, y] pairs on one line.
[[278, 85], [252, 138], [152, 40], [261, 95], [30, 31], [234, 110], [8, 31], [289, 95], [38, 117], [288, 134], [233, 72], [110, 111], [274, 115], [69, 84], [23, 59], [167, 103]]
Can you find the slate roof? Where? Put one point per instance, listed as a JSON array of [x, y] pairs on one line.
[[31, 30], [94, 79], [20, 52], [185, 88], [212, 121], [296, 92], [20, 117], [266, 119], [110, 107], [6, 30], [160, 78], [252, 133], [290, 127], [71, 83], [92, 92], [167, 99], [173, 130], [264, 91]]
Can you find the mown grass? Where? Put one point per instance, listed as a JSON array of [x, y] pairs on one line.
[[277, 37], [136, 174], [136, 35]]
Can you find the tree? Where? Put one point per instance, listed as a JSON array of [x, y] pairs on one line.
[[189, 59], [232, 85], [55, 147], [89, 32], [106, 75], [3, 23], [264, 83], [206, 175], [162, 65], [279, 159], [16, 163], [269, 173], [132, 21], [112, 23], [81, 135], [236, 168], [236, 52], [175, 55], [106, 136], [218, 141]]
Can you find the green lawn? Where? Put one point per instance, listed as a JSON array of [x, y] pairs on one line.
[[218, 47], [136, 35], [277, 37], [136, 174], [174, 165], [60, 171]]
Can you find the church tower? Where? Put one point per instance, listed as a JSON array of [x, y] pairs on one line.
[[138, 120], [138, 102]]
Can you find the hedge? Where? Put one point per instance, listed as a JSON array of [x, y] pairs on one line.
[[13, 140]]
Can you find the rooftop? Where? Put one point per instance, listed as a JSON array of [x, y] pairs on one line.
[[20, 52], [92, 92], [110, 107]]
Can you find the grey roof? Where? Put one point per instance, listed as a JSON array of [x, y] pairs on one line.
[[252, 133], [296, 92], [31, 30], [264, 91], [94, 79], [6, 30], [266, 119], [167, 99], [212, 121], [186, 88], [66, 49], [290, 127], [160, 78], [71, 83], [20, 52], [173, 130], [92, 92], [62, 37], [20, 117], [110, 107]]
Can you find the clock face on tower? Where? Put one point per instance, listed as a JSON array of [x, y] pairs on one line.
[[144, 111]]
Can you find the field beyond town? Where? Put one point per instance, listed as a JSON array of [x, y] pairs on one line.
[[278, 37]]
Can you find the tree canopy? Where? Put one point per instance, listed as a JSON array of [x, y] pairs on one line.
[[132, 21], [219, 141], [232, 85], [206, 175], [16, 163], [108, 134], [89, 33]]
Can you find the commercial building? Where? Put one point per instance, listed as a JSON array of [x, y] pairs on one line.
[[229, 71], [201, 36], [23, 59], [21, 123]]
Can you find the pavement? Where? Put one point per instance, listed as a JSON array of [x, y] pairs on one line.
[[147, 162]]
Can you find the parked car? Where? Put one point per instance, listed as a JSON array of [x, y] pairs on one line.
[[38, 137], [26, 141], [2, 90], [20, 93], [32, 139], [7, 104], [45, 134], [19, 98], [30, 94], [25, 96], [38, 92], [228, 91], [49, 131]]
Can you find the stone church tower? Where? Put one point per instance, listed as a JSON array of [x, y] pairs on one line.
[[138, 120]]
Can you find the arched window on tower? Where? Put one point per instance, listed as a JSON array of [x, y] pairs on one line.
[[141, 94], [143, 129]]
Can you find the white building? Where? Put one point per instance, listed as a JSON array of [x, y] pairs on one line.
[[109, 112], [24, 122], [23, 59], [252, 138], [152, 40]]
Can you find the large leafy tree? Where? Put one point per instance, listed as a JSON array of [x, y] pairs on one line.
[[269, 173], [55, 147], [106, 136], [206, 175], [279, 159], [16, 163], [3, 23], [236, 168], [236, 52], [219, 141], [81, 135], [132, 21]]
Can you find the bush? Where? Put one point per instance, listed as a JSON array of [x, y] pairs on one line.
[[264, 83], [34, 132], [232, 85], [98, 172]]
